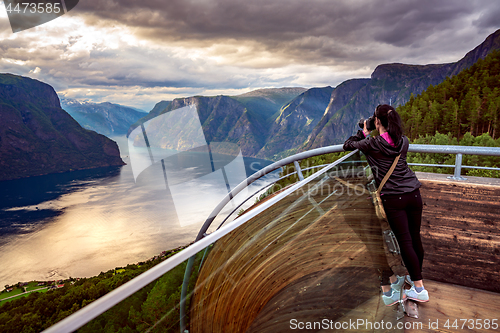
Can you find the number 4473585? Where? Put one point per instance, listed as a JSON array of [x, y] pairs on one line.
[[33, 8], [472, 324]]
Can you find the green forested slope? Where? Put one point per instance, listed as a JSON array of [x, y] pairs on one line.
[[467, 102], [462, 110]]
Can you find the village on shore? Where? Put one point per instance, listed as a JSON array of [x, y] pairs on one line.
[[21, 289]]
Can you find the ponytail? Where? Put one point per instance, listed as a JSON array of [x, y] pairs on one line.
[[391, 120]]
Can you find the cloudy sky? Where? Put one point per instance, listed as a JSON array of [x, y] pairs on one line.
[[138, 53]]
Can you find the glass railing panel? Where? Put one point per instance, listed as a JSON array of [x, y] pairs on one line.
[[312, 259]]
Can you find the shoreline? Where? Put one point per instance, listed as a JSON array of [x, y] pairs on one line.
[[60, 283]]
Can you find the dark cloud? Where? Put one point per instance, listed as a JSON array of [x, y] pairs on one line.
[[204, 45], [289, 26], [489, 18]]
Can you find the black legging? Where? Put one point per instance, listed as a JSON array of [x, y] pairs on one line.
[[404, 212]]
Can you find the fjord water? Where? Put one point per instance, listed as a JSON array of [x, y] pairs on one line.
[[80, 223]]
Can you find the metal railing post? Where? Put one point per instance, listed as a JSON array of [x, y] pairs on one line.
[[458, 168], [299, 170], [184, 292]]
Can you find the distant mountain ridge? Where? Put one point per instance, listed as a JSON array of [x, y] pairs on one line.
[[223, 119], [104, 118], [274, 123], [266, 103], [244, 119], [37, 137]]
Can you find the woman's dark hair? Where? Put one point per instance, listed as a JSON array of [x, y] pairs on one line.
[[391, 120]]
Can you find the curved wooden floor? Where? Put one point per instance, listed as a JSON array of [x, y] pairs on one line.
[[328, 255]]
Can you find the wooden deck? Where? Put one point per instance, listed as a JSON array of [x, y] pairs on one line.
[[449, 304], [307, 262]]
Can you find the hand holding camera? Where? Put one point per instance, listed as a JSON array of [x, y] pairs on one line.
[[367, 125]]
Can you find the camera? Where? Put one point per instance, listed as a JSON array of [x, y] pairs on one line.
[[370, 123]]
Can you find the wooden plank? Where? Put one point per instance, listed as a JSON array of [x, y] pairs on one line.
[[328, 294], [461, 233]]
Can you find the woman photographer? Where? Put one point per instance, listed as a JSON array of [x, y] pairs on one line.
[[400, 196]]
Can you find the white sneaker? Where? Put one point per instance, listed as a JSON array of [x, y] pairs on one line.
[[399, 283], [391, 300], [412, 294], [409, 281]]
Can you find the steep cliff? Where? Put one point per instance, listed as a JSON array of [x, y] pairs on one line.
[[266, 103], [38, 137], [222, 118], [296, 121]]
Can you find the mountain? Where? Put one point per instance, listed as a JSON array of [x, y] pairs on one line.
[[465, 105], [156, 111], [158, 108], [266, 103], [244, 119], [389, 83], [296, 121], [223, 119], [104, 118], [38, 137], [492, 42]]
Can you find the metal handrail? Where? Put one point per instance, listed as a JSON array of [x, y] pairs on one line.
[[241, 186], [265, 186], [458, 151], [445, 149], [270, 168], [453, 166], [413, 148]]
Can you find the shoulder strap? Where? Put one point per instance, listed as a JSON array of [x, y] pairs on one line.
[[393, 166]]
